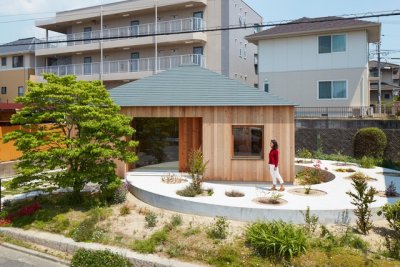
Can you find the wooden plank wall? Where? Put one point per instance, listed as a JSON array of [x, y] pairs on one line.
[[217, 144], [190, 138]]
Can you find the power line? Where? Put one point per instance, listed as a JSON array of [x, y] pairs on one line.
[[295, 22]]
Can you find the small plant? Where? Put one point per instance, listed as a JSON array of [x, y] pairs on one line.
[[367, 162], [307, 189], [310, 176], [124, 210], [391, 212], [209, 191], [370, 142], [172, 178], [219, 230], [119, 195], [360, 176], [304, 153], [189, 191], [175, 250], [345, 170], [98, 258], [84, 231], [197, 168], [176, 220], [234, 193], [362, 199], [149, 245], [391, 190], [311, 221], [274, 197], [151, 219], [276, 240]]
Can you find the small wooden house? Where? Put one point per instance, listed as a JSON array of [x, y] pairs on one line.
[[231, 122]]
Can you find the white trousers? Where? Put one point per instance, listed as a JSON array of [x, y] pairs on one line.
[[275, 174]]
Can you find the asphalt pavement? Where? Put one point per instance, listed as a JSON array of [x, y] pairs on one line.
[[16, 258]]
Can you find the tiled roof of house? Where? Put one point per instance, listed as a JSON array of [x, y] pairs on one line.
[[312, 25], [26, 45], [192, 86], [374, 64]]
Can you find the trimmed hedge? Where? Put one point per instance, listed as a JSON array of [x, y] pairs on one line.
[[370, 142], [98, 258]]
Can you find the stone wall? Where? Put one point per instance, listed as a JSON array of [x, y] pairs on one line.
[[337, 135]]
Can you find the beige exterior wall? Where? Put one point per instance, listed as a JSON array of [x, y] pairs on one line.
[[301, 87], [12, 79], [221, 53]]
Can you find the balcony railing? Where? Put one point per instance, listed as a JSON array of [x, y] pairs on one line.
[[171, 26], [347, 112], [124, 66]]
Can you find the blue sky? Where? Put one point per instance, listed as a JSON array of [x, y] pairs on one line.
[[271, 10]]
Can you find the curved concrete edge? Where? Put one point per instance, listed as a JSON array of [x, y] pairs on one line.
[[67, 245], [337, 216], [35, 253]]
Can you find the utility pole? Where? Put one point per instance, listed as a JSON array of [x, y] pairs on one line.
[[101, 41], [155, 38], [379, 79]]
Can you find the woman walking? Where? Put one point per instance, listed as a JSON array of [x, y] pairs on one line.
[[273, 165]]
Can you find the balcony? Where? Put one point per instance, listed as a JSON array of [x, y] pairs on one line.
[[130, 69], [91, 39]]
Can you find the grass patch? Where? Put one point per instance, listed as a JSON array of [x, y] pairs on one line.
[[148, 246]]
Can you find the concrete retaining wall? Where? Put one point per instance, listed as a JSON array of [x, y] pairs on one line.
[[337, 135]]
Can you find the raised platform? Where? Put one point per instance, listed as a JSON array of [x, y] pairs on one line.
[[334, 207]]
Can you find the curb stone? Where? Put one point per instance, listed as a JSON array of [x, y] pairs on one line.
[[64, 244], [34, 253]]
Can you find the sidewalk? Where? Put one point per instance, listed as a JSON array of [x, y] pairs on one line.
[[64, 244]]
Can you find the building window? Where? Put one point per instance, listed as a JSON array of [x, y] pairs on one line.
[[3, 61], [331, 43], [18, 61], [245, 51], [266, 86], [3, 90], [387, 96], [374, 72], [332, 90], [20, 91], [248, 141]]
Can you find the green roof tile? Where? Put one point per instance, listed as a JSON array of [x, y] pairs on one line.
[[191, 85]]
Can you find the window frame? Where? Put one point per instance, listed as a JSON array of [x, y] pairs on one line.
[[19, 92], [332, 98], [235, 126], [4, 90], [13, 62], [331, 45], [4, 60]]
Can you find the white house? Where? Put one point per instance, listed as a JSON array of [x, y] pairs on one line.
[[317, 62]]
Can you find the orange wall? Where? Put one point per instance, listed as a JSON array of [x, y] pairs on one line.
[[12, 79], [8, 151]]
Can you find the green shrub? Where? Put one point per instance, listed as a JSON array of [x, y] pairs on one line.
[[304, 153], [118, 195], [3, 214], [391, 212], [60, 223], [124, 210], [391, 190], [310, 176], [276, 240], [369, 142], [362, 199], [197, 167], [349, 239], [311, 221], [84, 231], [151, 219], [149, 245], [176, 220], [189, 191], [234, 193], [99, 258], [367, 162], [219, 230], [175, 250]]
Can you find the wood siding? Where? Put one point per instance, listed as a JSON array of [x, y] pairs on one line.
[[217, 137], [190, 138]]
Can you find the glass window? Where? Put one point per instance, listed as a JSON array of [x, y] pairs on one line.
[[331, 43], [3, 90], [338, 43], [248, 141], [332, 90], [325, 90], [3, 61], [20, 91], [339, 89], [324, 44], [18, 61], [266, 86]]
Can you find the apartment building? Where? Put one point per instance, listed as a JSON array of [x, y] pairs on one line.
[[17, 65], [317, 62], [390, 82], [130, 50]]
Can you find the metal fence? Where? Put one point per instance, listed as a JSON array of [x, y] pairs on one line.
[[347, 112]]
